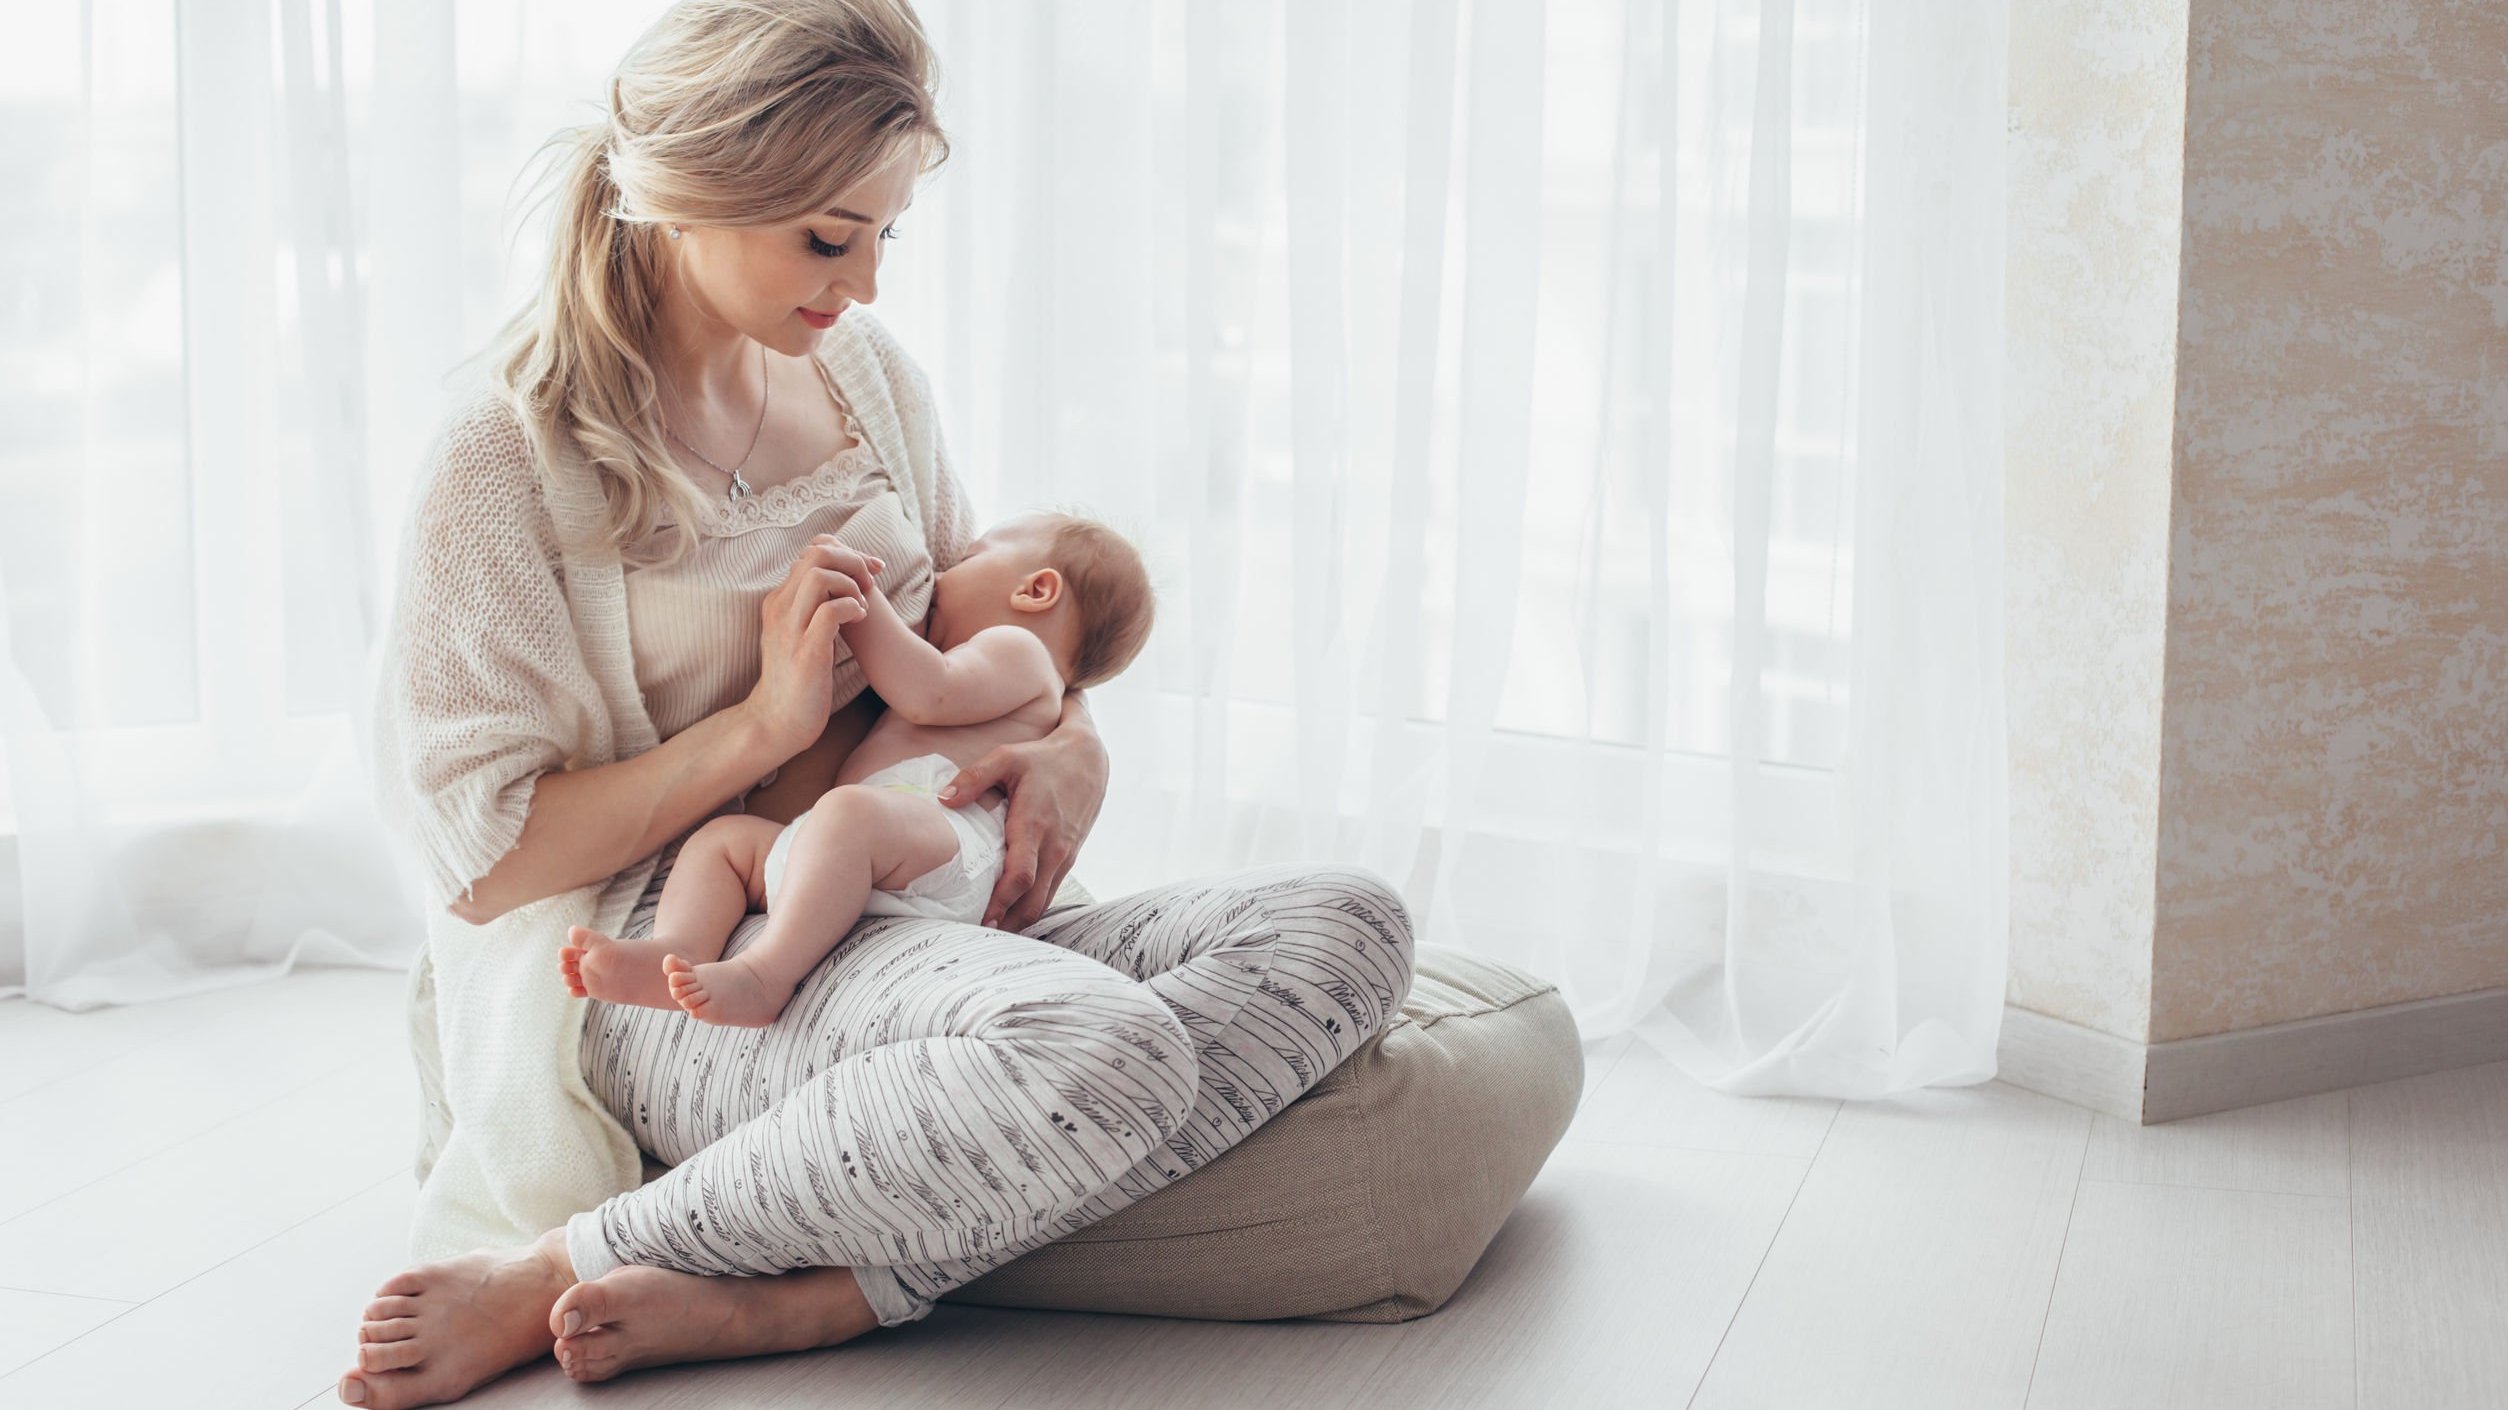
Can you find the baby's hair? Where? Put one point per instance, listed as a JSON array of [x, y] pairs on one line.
[[1110, 585]]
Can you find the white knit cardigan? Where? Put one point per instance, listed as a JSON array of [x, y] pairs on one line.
[[509, 655]]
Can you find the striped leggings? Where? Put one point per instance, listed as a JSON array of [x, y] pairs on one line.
[[939, 1098]]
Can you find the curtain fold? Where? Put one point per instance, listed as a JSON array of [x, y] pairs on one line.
[[1566, 437], [249, 260], [189, 606], [1573, 481]]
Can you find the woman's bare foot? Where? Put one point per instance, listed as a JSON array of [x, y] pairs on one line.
[[441, 1330], [728, 991], [613, 970], [635, 1316]]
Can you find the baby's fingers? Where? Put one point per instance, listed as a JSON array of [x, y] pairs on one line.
[[874, 564]]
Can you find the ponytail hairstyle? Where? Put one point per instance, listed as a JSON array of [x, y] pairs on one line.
[[724, 113]]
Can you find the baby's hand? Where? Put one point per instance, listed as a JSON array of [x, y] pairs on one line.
[[852, 563]]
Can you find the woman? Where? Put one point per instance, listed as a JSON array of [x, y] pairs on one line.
[[575, 683]]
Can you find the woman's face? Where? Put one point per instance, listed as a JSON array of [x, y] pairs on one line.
[[785, 284]]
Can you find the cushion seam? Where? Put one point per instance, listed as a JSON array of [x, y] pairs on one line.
[[1284, 1224], [1434, 1019], [1370, 1130]]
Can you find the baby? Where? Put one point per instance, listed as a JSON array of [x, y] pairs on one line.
[[1042, 603]]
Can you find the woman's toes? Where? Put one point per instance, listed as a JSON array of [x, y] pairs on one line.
[[391, 1390], [579, 1309], [398, 1390], [398, 1329], [590, 1357], [405, 1283], [387, 1355], [384, 1309]]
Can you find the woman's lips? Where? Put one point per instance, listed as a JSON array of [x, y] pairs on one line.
[[818, 320]]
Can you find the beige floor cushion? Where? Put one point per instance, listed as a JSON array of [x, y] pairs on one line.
[[1366, 1200]]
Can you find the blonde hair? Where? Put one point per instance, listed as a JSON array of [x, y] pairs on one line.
[[1110, 588], [726, 113]]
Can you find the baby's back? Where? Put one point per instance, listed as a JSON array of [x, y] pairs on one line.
[[894, 738]]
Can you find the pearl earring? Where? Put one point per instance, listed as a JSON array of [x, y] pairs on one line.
[[674, 232]]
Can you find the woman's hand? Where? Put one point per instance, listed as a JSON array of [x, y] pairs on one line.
[[1056, 785], [798, 622]]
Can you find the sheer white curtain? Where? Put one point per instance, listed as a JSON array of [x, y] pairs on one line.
[[1567, 438], [244, 257]]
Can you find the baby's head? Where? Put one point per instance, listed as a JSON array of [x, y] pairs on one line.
[[1076, 583]]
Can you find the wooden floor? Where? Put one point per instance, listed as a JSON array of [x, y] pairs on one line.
[[197, 1197]]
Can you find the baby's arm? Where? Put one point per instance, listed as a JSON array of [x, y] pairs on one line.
[[987, 676]]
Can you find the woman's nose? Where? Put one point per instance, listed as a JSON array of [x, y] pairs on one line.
[[861, 284]]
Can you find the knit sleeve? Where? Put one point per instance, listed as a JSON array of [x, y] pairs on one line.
[[483, 685], [950, 524], [953, 521]]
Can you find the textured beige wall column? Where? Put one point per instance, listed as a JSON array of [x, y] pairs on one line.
[[2097, 126], [2334, 775]]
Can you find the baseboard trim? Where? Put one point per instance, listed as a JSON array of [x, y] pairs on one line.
[[2184, 1077], [2071, 1063], [2223, 1071]]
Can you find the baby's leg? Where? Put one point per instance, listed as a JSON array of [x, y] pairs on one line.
[[709, 890], [857, 838]]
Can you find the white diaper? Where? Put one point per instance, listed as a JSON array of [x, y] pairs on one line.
[[957, 889]]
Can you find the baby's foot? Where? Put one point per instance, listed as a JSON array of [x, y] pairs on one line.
[[613, 970], [726, 991]]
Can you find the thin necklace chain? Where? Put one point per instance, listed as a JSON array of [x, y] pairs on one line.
[[739, 486]]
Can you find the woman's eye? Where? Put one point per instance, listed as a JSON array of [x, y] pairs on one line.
[[821, 247]]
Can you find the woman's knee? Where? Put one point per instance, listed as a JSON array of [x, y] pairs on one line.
[[1116, 1034], [1342, 936], [1375, 924]]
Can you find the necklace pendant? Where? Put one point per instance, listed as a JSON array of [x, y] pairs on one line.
[[740, 487]]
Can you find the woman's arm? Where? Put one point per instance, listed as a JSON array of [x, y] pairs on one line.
[[1056, 786], [586, 825], [590, 824]]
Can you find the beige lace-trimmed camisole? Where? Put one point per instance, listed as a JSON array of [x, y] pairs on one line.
[[695, 627]]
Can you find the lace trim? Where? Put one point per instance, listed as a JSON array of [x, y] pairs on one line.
[[833, 480]]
